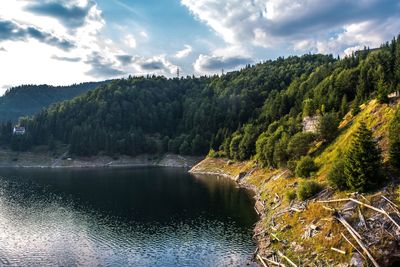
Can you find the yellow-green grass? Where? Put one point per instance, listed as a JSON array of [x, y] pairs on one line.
[[376, 116]]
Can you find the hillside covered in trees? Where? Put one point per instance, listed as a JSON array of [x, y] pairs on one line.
[[27, 100], [255, 112]]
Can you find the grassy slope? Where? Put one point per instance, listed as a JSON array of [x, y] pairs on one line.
[[291, 226], [376, 116]]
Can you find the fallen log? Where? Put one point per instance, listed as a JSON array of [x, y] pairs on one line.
[[261, 260], [286, 258], [351, 244], [388, 200], [333, 200], [274, 262], [382, 211], [362, 219], [338, 250], [360, 243]]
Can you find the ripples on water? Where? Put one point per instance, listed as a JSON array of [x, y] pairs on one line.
[[73, 218]]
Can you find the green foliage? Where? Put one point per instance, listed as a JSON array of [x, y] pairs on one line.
[[234, 146], [308, 189], [290, 195], [328, 126], [305, 167], [29, 99], [362, 166], [256, 111], [300, 144], [336, 176], [21, 142]]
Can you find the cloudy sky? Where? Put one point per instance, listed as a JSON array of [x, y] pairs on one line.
[[67, 41]]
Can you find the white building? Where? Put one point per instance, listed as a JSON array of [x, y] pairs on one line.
[[19, 130]]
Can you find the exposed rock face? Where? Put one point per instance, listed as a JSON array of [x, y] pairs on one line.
[[310, 124]]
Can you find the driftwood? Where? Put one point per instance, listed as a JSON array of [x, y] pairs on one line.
[[328, 208], [394, 207], [275, 237], [261, 260], [360, 243], [338, 250], [333, 200], [382, 211], [286, 258], [362, 219], [274, 262], [388, 200], [295, 209], [351, 244], [349, 227], [366, 200]]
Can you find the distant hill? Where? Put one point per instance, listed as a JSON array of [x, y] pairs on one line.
[[26, 100]]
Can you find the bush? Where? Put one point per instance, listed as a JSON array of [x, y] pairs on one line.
[[305, 167], [216, 154], [291, 195], [212, 153], [308, 189], [291, 165], [336, 176]]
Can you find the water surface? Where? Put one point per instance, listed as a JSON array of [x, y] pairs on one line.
[[123, 217]]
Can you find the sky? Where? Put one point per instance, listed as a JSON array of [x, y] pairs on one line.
[[61, 42]]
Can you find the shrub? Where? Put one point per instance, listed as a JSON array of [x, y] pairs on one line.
[[336, 176], [212, 153], [291, 165], [291, 195], [305, 167], [308, 189]]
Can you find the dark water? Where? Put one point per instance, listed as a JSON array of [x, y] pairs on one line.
[[123, 217]]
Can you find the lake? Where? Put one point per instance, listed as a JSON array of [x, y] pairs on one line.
[[123, 217]]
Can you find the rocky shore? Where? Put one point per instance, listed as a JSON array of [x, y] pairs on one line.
[[330, 229], [9, 159]]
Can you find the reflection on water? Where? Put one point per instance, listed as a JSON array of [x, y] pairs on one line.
[[123, 217]]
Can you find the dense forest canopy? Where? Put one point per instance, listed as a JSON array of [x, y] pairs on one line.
[[27, 100], [254, 112]]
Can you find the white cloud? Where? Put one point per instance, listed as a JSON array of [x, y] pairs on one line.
[[299, 23], [130, 41], [184, 52], [156, 65], [91, 58], [352, 38], [144, 35]]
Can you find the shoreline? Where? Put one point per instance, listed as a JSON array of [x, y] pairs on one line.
[[30, 160], [293, 230], [241, 181]]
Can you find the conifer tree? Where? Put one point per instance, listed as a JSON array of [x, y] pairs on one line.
[[363, 161]]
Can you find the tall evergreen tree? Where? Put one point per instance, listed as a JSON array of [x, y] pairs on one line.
[[363, 161]]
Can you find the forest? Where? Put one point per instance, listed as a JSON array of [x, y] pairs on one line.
[[256, 112], [26, 100]]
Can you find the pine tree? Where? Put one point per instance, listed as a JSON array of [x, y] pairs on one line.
[[363, 161], [343, 106]]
